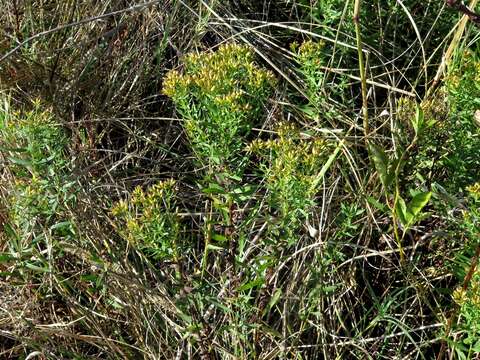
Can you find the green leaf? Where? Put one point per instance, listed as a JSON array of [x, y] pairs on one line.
[[418, 120], [13, 149], [37, 268], [460, 354], [89, 277], [234, 177], [418, 202], [219, 237], [402, 212], [309, 111], [251, 284], [21, 162], [62, 225], [115, 303], [329, 289], [274, 299], [214, 188], [410, 213], [243, 193], [374, 202], [6, 258], [9, 231], [214, 247], [476, 347], [381, 164]]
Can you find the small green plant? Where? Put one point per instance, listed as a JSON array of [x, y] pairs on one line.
[[404, 215], [149, 223], [291, 175], [463, 144], [467, 345], [330, 14], [426, 163], [33, 141], [220, 96], [347, 219], [40, 193], [448, 155], [33, 144], [312, 58]]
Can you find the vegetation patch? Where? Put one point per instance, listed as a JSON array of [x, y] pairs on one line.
[[239, 180]]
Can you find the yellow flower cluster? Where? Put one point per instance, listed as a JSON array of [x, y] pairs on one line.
[[120, 209], [141, 200], [471, 296], [220, 95], [309, 48], [291, 174], [218, 73], [474, 190], [294, 156], [144, 210], [460, 296], [231, 101], [309, 53], [174, 82]]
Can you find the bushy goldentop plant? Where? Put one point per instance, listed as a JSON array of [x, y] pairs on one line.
[[33, 143], [467, 297], [220, 95], [469, 317], [33, 140], [312, 58], [472, 215], [329, 13], [293, 164], [464, 142], [148, 220]]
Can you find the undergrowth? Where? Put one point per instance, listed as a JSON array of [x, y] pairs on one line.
[[212, 180]]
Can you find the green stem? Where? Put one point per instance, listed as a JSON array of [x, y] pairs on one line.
[[361, 65], [399, 239], [208, 238]]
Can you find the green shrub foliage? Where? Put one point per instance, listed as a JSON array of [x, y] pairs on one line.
[[220, 96]]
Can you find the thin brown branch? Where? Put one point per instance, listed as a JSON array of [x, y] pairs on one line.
[[461, 7]]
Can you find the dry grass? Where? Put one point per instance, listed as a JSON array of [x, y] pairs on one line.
[[338, 291]]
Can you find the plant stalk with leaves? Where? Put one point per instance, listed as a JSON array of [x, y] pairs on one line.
[[404, 215]]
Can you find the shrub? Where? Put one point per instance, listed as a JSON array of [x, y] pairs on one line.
[[322, 88], [148, 221], [220, 96], [467, 345], [463, 161], [291, 172], [34, 146], [467, 297]]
